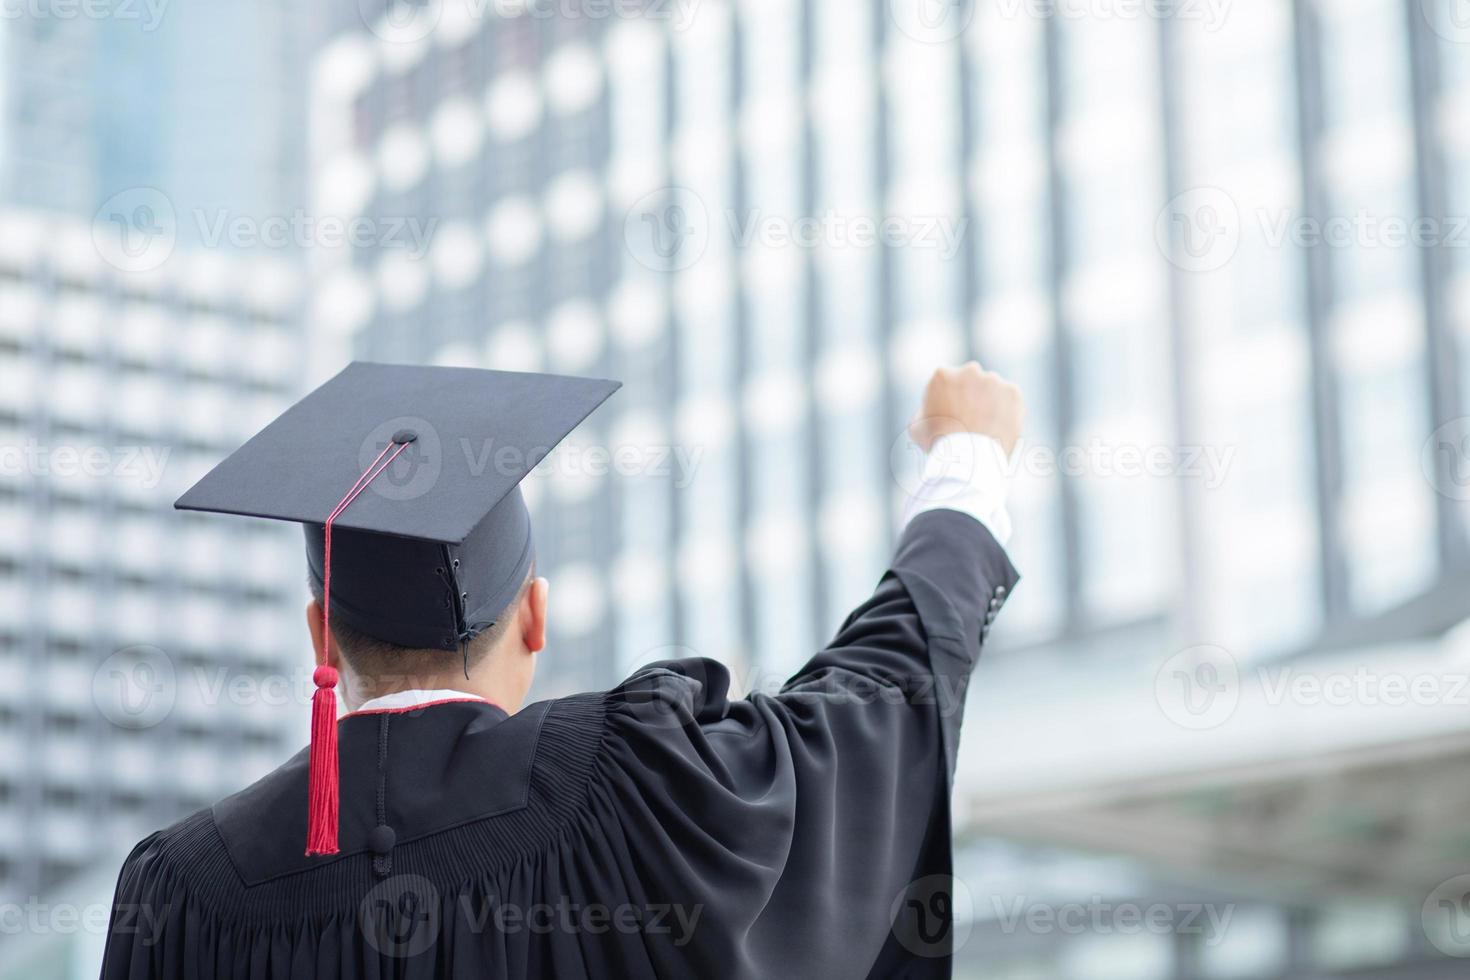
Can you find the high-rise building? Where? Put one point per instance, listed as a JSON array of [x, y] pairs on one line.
[[201, 103], [1169, 222], [150, 661], [144, 653]]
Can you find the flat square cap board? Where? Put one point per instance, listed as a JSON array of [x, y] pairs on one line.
[[478, 432]]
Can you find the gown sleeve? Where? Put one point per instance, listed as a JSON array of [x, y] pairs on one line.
[[802, 826]]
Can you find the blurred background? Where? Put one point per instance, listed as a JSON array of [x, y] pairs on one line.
[[1222, 730]]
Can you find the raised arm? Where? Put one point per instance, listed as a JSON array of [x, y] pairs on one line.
[[920, 633], [814, 811]]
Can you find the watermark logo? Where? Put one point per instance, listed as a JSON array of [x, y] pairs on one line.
[[302, 230], [135, 230], [400, 916], [1446, 917], [661, 697], [836, 229], [667, 230], [1101, 916], [143, 466], [401, 21], [944, 473], [932, 21], [148, 13], [1445, 459], [677, 922], [933, 916], [1199, 230], [34, 917], [1211, 14], [941, 473], [413, 471], [135, 687], [1198, 688], [1450, 19]]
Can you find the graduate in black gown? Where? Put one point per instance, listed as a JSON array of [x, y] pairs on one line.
[[660, 829]]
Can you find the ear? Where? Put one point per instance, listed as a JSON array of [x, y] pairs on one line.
[[319, 635], [533, 615]]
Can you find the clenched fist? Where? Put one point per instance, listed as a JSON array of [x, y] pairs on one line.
[[969, 399]]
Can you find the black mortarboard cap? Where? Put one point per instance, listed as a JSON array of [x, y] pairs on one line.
[[436, 545], [406, 480]]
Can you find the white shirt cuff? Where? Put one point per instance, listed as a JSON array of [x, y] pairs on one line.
[[967, 472]]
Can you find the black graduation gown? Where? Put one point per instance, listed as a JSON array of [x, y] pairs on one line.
[[655, 830]]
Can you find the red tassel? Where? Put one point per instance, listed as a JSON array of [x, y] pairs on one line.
[[321, 796], [321, 818]]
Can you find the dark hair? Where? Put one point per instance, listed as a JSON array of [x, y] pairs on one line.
[[379, 659]]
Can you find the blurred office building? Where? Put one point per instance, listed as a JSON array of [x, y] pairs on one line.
[[201, 102], [145, 659], [772, 219]]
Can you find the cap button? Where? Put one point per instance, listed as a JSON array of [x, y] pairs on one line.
[[403, 436], [381, 839]]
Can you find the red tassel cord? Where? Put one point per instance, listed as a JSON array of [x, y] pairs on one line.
[[321, 805]]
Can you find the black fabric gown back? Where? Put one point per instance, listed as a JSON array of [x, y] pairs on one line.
[[655, 830]]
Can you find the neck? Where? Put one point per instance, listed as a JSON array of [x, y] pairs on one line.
[[486, 680]]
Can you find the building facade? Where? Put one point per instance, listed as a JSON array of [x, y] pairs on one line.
[[148, 657], [1178, 226]]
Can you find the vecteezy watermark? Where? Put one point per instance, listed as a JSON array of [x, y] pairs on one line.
[[1211, 14], [933, 916], [932, 21], [301, 229], [410, 472], [416, 470], [401, 917], [669, 229], [1362, 686], [147, 13], [1103, 916], [679, 14], [135, 230], [946, 471], [941, 21], [664, 683], [34, 917], [1201, 229], [1445, 459], [673, 461], [135, 687], [675, 921], [1198, 688], [662, 696], [410, 21], [1363, 229], [401, 21], [835, 229], [1446, 917], [1102, 459], [1450, 19], [140, 465]]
